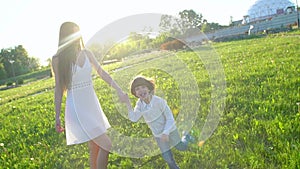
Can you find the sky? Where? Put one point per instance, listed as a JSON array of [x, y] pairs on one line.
[[35, 24]]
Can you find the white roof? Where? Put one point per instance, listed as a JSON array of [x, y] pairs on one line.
[[264, 8]]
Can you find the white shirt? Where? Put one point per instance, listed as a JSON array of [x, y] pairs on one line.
[[157, 114]]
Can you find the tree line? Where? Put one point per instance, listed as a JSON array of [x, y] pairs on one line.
[[172, 32], [15, 61]]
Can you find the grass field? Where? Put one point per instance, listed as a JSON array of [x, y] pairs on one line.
[[258, 122]]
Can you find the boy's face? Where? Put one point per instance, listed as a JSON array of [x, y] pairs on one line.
[[142, 92]]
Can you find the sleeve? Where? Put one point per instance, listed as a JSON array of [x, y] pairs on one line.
[[170, 121], [136, 114]]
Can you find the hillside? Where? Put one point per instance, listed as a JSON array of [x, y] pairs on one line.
[[254, 104]]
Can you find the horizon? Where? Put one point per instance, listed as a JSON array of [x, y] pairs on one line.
[[35, 25]]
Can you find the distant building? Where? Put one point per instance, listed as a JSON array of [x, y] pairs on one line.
[[262, 16], [266, 9]]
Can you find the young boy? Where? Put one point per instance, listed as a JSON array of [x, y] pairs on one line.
[[158, 115]]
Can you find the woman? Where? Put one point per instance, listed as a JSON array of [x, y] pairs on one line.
[[84, 118]]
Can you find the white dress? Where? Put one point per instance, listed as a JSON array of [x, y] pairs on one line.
[[84, 117]]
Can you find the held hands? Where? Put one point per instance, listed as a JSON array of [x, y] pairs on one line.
[[123, 97]]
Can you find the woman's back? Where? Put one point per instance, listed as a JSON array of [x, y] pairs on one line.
[[81, 76]]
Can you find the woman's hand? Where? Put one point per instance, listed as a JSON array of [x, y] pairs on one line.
[[58, 126], [123, 97], [164, 138]]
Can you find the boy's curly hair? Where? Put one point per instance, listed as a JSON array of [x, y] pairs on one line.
[[142, 81]]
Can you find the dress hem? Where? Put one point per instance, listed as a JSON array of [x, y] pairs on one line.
[[84, 141]]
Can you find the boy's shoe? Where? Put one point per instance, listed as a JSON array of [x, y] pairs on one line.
[[187, 137], [190, 138]]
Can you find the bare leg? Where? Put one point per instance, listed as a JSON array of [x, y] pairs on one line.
[[104, 145], [102, 159], [94, 150]]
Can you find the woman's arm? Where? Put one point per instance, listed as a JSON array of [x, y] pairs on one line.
[[105, 76], [58, 93]]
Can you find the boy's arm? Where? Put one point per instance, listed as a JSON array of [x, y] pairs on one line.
[[170, 121], [133, 115]]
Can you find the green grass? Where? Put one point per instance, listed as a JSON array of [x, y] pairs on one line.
[[27, 78], [259, 127]]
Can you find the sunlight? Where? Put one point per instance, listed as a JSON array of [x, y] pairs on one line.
[[69, 39]]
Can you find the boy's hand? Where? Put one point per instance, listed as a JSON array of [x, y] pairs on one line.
[[164, 138]]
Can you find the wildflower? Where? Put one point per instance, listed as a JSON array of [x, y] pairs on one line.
[[201, 143]]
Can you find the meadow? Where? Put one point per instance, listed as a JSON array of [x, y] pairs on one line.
[[250, 95]]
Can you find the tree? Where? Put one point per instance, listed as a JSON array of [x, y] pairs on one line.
[[194, 20], [160, 39], [16, 61], [3, 74], [33, 64], [205, 26], [135, 43], [188, 23], [208, 27], [172, 25]]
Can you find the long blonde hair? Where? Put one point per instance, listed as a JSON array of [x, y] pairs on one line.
[[69, 45]]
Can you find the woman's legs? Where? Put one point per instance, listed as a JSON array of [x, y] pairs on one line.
[[99, 152], [94, 149]]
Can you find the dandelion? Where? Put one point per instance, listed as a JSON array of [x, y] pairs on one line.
[[201, 143], [2, 144]]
